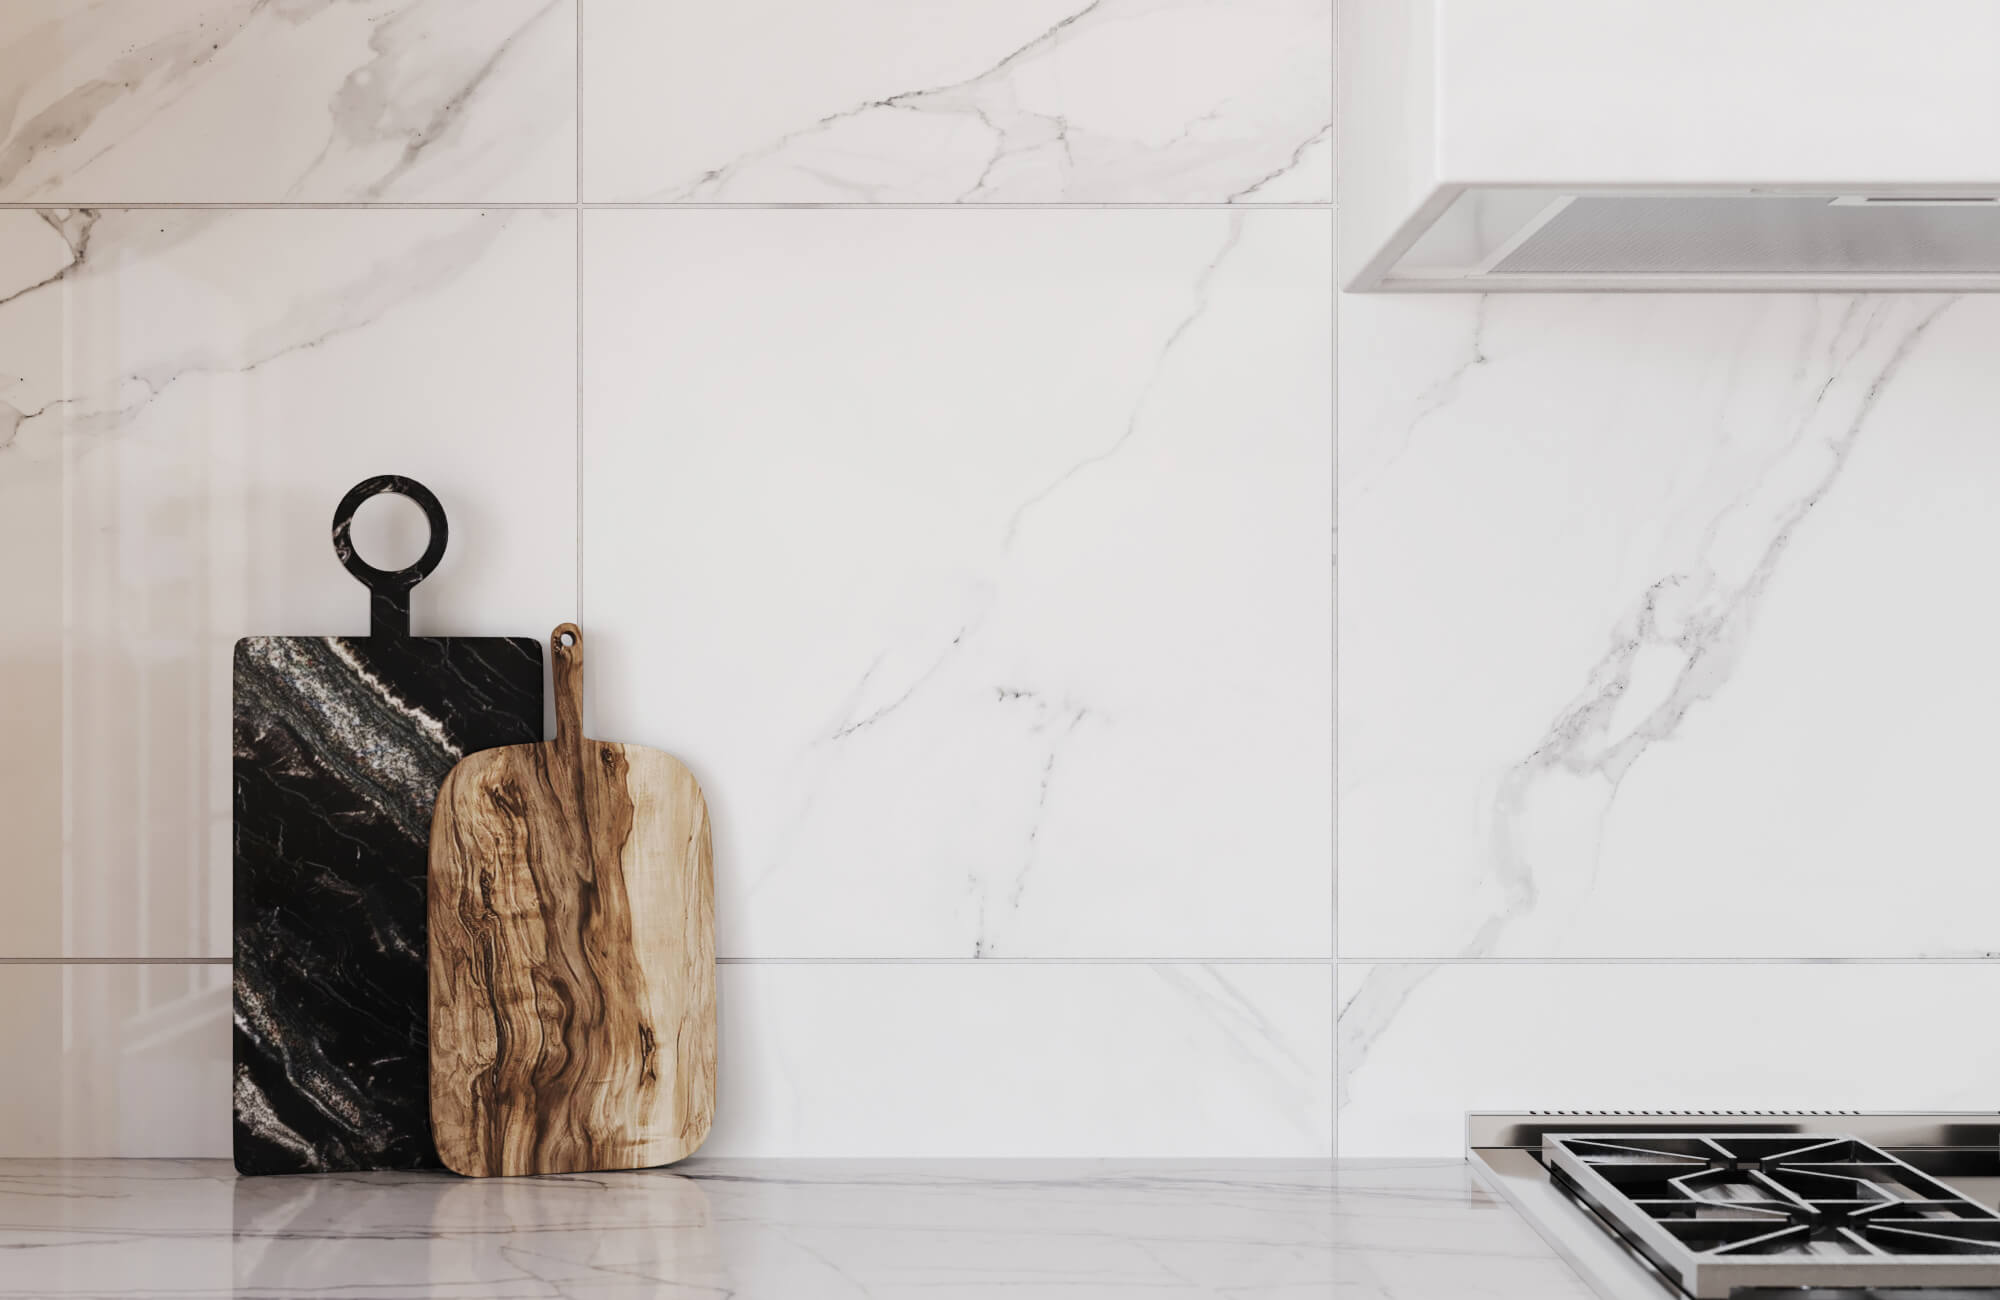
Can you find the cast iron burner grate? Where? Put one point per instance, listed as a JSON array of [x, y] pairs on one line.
[[1717, 1212]]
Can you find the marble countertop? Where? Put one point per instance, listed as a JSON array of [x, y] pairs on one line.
[[751, 1230]]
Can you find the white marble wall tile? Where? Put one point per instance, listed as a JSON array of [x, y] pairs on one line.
[[232, 101], [121, 1060], [1664, 626], [979, 563], [1025, 1059], [1420, 1045], [186, 404], [889, 1060], [988, 101], [31, 639]]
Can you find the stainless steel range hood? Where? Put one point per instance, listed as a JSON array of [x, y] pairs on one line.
[[1698, 144]]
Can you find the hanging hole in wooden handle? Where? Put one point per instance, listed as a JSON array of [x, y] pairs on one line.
[[566, 646]]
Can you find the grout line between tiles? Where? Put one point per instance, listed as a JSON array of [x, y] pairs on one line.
[[580, 205], [1024, 961], [114, 961], [1171, 961], [577, 322], [577, 120], [1987, 960], [39, 205], [778, 961], [971, 207], [1333, 801]]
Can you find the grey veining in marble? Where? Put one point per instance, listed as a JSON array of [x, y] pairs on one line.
[[879, 101], [1670, 704], [742, 1229], [240, 101]]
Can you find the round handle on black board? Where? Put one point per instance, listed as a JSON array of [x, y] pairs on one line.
[[389, 604]]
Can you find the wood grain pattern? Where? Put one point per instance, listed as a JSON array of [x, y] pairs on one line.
[[572, 953]]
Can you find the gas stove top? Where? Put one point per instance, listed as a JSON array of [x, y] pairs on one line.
[[1843, 1206]]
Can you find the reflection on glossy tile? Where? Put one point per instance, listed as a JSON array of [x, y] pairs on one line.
[[1660, 632], [31, 556], [965, 1059], [218, 101], [1422, 1045], [114, 1060], [194, 394], [979, 563], [755, 1230], [907, 101]]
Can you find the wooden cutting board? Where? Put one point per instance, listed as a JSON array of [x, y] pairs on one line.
[[572, 958], [340, 744]]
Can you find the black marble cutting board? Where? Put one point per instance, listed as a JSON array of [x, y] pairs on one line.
[[340, 746]]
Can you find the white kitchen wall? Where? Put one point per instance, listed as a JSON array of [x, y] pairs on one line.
[[1666, 682], [990, 539], [913, 101], [976, 558]]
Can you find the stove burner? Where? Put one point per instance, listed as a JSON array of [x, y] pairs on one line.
[[1725, 1210]]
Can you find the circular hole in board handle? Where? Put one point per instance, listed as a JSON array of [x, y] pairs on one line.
[[390, 531], [389, 590]]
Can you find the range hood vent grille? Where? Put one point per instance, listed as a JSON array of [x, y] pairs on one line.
[[1765, 235], [1844, 146], [1495, 238], [1917, 200]]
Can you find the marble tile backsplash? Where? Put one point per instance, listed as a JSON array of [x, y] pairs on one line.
[[977, 560], [191, 398], [882, 1059], [1664, 691], [1420, 1045], [1661, 627], [989, 101], [237, 101], [1042, 673], [929, 410]]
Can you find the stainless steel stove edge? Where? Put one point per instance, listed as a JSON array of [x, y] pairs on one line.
[[1608, 1264], [1524, 1129], [1502, 1148]]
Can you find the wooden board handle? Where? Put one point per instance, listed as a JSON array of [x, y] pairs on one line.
[[566, 656]]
